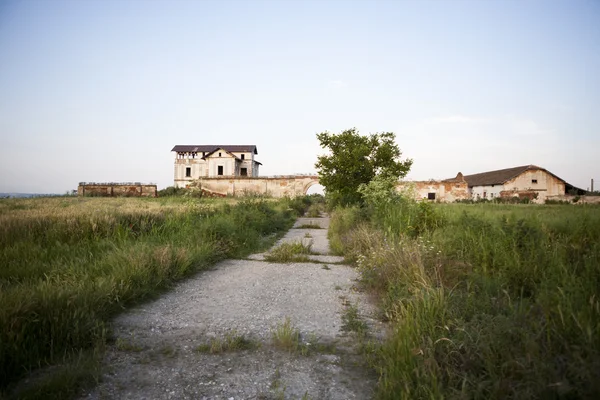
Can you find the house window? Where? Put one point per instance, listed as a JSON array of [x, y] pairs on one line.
[[244, 172], [220, 169], [219, 154], [188, 172], [485, 195], [534, 181], [243, 156], [430, 196]]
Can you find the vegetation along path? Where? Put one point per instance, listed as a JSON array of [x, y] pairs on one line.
[[288, 324]]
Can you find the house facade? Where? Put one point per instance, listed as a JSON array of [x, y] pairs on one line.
[[193, 162], [529, 181]]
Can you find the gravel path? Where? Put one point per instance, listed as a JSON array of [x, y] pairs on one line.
[[155, 354]]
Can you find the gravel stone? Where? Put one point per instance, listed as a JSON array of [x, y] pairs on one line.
[[250, 298]]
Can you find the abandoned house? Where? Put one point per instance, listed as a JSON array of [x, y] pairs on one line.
[[193, 162], [528, 181], [448, 190]]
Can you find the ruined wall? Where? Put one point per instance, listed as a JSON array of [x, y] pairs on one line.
[[446, 192], [580, 199], [524, 185], [116, 189], [270, 186]]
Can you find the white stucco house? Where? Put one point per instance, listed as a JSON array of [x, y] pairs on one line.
[[193, 162]]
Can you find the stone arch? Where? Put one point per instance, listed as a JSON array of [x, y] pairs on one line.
[[311, 182]]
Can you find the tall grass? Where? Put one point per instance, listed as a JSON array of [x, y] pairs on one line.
[[69, 265], [485, 301]]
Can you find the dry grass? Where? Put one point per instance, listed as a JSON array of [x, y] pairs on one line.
[[71, 264], [484, 301]]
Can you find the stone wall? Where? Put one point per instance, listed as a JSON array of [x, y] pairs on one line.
[[580, 199], [280, 186], [116, 189]]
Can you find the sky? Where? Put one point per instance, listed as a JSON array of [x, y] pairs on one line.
[[102, 90]]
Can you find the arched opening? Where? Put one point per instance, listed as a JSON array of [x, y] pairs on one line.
[[314, 188]]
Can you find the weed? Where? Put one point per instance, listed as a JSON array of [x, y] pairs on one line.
[[309, 226], [285, 336], [352, 322], [290, 252], [314, 211], [325, 266], [231, 342], [168, 351], [307, 235], [128, 345]]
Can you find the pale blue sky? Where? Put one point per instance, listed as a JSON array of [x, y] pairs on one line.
[[102, 90]]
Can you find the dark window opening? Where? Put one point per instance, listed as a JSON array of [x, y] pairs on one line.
[[534, 181], [243, 156], [188, 172], [220, 169], [430, 196], [244, 172], [219, 154], [484, 195]]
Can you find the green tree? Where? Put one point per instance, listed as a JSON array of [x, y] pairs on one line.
[[354, 159]]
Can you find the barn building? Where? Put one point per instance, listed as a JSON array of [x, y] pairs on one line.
[[528, 181]]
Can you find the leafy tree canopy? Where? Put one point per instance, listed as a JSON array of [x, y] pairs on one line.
[[354, 159]]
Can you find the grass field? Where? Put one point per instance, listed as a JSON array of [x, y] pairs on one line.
[[69, 264], [484, 301]]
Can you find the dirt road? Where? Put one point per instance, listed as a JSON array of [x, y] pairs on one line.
[[215, 336]]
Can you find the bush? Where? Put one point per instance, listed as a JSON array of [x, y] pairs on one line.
[[171, 191]]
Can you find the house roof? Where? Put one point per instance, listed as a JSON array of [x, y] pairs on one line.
[[209, 148], [501, 176], [226, 151]]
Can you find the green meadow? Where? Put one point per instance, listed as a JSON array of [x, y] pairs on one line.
[[68, 265], [484, 301]]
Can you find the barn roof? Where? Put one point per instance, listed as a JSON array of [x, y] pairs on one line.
[[209, 148], [501, 176]]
